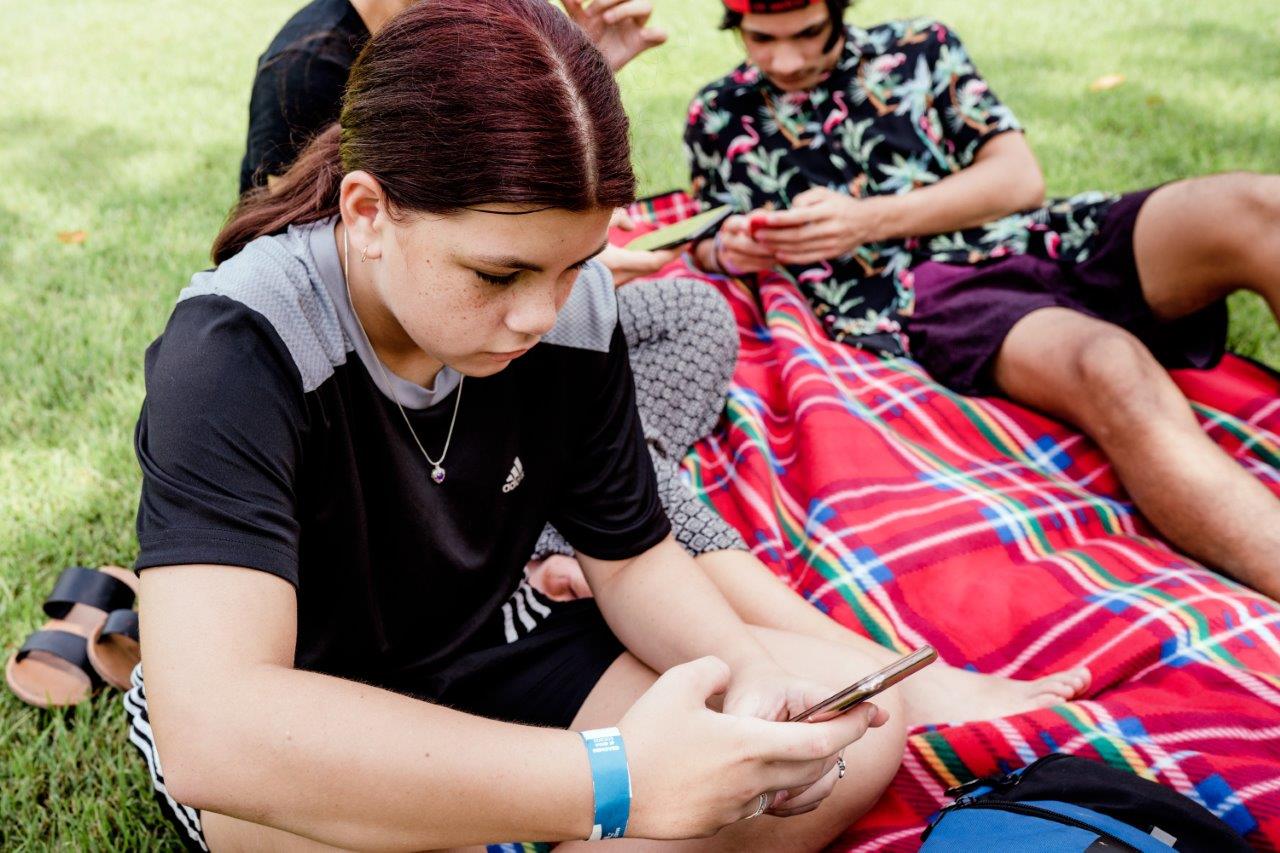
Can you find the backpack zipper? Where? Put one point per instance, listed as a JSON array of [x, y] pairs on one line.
[[1034, 811], [1003, 781]]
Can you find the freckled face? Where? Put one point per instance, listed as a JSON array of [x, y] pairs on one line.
[[475, 289]]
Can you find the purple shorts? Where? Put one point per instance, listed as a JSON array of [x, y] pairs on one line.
[[963, 313]]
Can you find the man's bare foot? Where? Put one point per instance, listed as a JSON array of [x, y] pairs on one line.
[[946, 694]]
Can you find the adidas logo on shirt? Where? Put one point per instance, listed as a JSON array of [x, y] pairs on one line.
[[515, 478]]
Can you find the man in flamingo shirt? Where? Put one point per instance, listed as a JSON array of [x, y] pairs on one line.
[[878, 171]]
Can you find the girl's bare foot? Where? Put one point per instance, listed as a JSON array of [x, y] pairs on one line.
[[558, 577], [947, 694]]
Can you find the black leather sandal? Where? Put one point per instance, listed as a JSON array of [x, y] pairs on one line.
[[55, 666]]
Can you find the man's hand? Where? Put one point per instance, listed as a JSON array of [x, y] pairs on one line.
[[822, 224], [738, 252], [617, 27]]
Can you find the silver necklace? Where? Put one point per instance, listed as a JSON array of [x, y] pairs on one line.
[[437, 465]]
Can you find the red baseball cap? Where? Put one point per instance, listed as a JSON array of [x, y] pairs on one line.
[[765, 7]]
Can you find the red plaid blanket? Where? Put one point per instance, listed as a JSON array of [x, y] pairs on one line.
[[1002, 538]]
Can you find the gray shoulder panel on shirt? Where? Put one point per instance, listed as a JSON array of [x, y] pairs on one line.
[[278, 277], [275, 277], [590, 314]]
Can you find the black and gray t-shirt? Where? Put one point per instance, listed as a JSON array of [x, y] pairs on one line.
[[266, 441]]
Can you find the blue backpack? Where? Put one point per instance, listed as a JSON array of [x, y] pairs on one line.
[[1066, 803]]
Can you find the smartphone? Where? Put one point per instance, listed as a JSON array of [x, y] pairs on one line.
[[757, 220], [864, 688], [684, 231]]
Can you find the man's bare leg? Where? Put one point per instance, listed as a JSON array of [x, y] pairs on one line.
[[1195, 241], [1105, 381], [1198, 240]]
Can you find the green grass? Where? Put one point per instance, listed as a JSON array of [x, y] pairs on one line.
[[130, 127]]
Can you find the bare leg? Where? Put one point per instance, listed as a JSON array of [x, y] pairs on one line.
[[872, 761], [940, 693], [1196, 241], [1102, 379]]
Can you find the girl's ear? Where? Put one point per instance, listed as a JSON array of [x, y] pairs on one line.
[[362, 205]]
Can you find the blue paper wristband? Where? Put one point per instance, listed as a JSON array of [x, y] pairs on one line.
[[611, 780]]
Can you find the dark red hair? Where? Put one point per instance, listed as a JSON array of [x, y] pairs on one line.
[[460, 103]]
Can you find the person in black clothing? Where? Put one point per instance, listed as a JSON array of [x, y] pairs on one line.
[[404, 364], [297, 90]]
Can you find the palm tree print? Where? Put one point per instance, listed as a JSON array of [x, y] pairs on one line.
[[904, 108]]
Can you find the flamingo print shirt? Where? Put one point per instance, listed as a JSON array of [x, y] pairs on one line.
[[903, 108]]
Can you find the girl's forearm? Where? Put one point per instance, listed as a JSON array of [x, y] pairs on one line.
[[357, 766], [666, 611]]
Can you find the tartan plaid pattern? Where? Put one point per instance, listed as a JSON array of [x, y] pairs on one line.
[[658, 210], [1004, 539], [914, 515]]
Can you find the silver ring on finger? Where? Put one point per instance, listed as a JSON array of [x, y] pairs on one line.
[[841, 769], [764, 804]]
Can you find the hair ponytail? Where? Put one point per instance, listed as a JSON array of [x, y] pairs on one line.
[[307, 191], [455, 104]]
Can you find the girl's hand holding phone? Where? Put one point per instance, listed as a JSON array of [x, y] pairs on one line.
[[864, 688], [695, 771]]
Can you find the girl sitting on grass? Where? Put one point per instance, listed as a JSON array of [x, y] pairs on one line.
[[334, 520]]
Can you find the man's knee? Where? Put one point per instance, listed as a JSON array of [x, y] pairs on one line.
[[1259, 196], [1255, 202], [1119, 382]]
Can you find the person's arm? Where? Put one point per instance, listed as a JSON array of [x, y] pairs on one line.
[[244, 734], [989, 172], [1004, 178], [666, 611], [618, 28], [734, 251], [625, 264], [823, 224], [295, 96]]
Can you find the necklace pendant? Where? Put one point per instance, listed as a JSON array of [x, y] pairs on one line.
[[437, 475]]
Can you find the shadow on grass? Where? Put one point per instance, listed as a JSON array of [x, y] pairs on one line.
[[76, 320]]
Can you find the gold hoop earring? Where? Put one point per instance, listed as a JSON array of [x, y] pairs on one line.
[[364, 254]]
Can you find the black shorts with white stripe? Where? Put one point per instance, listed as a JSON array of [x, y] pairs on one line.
[[185, 819], [554, 655]]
